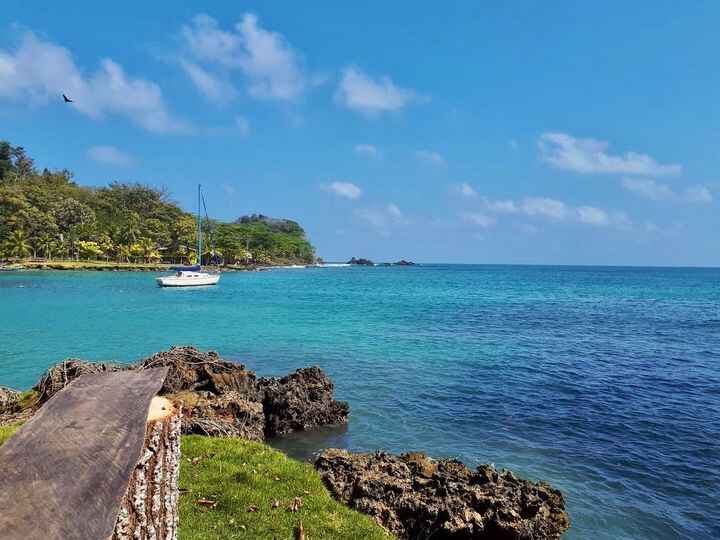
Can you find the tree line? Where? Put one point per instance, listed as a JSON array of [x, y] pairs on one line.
[[45, 214]]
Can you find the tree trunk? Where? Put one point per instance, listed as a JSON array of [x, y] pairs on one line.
[[149, 509]]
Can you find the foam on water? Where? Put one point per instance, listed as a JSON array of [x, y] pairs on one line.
[[603, 381]]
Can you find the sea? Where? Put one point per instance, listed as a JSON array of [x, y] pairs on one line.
[[602, 381]]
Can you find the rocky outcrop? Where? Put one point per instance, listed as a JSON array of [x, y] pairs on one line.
[[361, 262], [300, 401], [60, 375], [416, 497], [223, 398], [403, 262], [9, 400]]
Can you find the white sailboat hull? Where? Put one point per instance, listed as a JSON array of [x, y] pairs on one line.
[[188, 279]]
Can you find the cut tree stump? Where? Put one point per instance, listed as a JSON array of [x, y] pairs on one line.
[[95, 462], [149, 508]]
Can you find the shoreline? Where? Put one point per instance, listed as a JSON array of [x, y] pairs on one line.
[[102, 266]]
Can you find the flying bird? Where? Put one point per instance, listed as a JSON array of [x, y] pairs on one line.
[[67, 99]]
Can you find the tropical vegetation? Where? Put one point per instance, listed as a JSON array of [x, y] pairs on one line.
[[46, 215]]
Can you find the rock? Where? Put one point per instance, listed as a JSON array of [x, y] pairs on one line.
[[60, 375], [191, 369], [361, 262], [416, 497], [403, 262], [222, 398], [229, 415], [300, 401], [9, 400]]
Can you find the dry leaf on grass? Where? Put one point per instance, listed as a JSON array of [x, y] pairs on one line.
[[296, 504], [275, 504], [252, 508], [207, 502]]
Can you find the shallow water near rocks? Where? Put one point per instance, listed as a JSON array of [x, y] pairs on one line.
[[605, 382]]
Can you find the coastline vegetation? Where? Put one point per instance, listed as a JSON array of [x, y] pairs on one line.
[[45, 216]]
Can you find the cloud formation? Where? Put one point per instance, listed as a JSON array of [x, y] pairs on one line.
[[359, 92], [381, 218], [558, 211], [478, 219], [211, 86], [656, 191], [466, 190], [428, 156], [366, 150], [347, 190], [589, 156], [270, 65], [109, 155], [38, 71]]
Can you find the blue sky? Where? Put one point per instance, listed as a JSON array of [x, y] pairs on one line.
[[557, 133]]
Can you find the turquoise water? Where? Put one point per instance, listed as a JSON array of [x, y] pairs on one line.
[[603, 381]]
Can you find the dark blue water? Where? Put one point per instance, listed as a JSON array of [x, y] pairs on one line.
[[603, 381]]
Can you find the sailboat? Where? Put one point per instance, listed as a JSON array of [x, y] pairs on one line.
[[191, 276]]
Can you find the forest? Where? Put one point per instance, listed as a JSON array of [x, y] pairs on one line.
[[46, 215]]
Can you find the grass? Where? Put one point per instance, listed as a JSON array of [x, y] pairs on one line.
[[7, 431], [240, 476], [244, 479]]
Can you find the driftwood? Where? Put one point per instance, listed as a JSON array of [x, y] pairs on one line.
[[66, 473]]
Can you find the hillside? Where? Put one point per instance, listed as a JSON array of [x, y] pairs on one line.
[[45, 214]]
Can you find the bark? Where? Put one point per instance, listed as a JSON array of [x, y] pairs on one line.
[[149, 509]]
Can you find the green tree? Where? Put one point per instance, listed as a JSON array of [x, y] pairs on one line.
[[17, 245]]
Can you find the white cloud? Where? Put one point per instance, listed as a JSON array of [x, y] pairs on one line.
[[269, 63], [366, 150], [589, 156], [344, 189], [243, 125], [428, 156], [555, 210], [592, 216], [382, 218], [544, 206], [38, 71], [656, 191], [110, 156], [212, 87], [359, 92], [466, 190], [480, 220]]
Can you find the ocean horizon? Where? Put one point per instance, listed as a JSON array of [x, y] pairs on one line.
[[600, 380]]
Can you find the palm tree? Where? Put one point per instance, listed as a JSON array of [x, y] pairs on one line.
[[46, 245], [17, 245], [147, 247], [123, 253]]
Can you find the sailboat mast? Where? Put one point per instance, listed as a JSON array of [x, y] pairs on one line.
[[199, 227]]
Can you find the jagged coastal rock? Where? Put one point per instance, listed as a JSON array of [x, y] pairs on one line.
[[419, 498], [361, 262], [9, 399], [222, 398]]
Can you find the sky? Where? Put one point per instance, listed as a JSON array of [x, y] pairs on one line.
[[468, 132]]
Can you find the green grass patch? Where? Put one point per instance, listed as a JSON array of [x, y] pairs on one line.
[[245, 479], [7, 431], [241, 476]]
